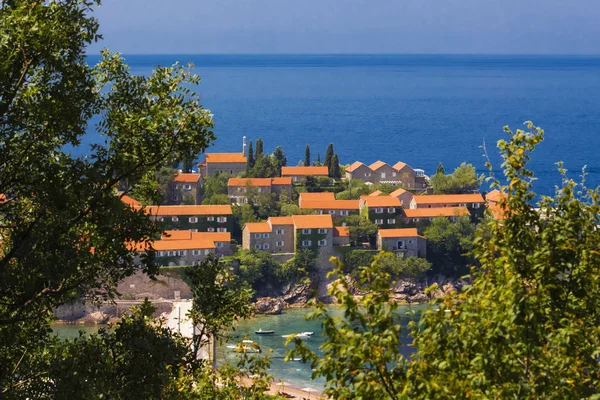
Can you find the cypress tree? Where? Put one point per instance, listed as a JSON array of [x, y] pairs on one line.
[[279, 159], [307, 156], [328, 157], [319, 159], [335, 170], [440, 169], [250, 158], [259, 149]]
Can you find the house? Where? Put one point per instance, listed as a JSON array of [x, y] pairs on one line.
[[428, 214], [130, 201], [404, 196], [382, 210], [237, 187], [230, 163], [405, 242], [376, 193], [400, 174], [335, 208], [184, 189], [298, 174], [283, 234], [198, 218], [473, 200], [186, 247], [315, 196], [495, 200], [341, 236]]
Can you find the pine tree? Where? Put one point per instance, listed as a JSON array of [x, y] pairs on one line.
[[279, 159], [259, 149], [335, 170], [250, 158], [319, 159], [307, 156], [440, 169], [328, 157]]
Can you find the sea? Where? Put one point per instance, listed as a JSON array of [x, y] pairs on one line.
[[420, 109]]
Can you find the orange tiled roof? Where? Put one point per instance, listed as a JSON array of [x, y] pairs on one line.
[[375, 193], [176, 235], [495, 196], [313, 221], [399, 165], [297, 171], [401, 232], [281, 221], [225, 158], [343, 231], [130, 201], [2, 198], [258, 227], [330, 204], [282, 181], [355, 165], [214, 236], [436, 212], [187, 178], [189, 210], [398, 192], [377, 164], [381, 201], [249, 181], [316, 196], [175, 244], [449, 198]]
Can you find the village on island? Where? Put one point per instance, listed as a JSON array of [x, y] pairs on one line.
[[274, 222]]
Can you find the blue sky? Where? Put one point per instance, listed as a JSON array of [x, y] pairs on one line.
[[350, 26]]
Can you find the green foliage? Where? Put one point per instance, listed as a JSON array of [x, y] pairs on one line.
[[261, 271], [405, 268], [216, 185], [448, 244], [154, 189], [440, 169], [361, 229], [335, 171], [259, 149], [265, 166], [279, 159], [464, 179], [216, 199], [307, 156], [328, 157], [292, 209], [250, 158], [319, 160]]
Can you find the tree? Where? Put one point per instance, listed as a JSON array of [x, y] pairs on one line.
[[216, 199], [440, 169], [406, 268], [307, 156], [263, 168], [335, 170], [279, 159], [216, 185], [319, 160], [525, 327], [464, 179], [250, 158], [328, 157], [259, 149], [448, 243]]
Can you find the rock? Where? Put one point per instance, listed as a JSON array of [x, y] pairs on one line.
[[418, 298], [94, 318], [269, 305], [297, 295]]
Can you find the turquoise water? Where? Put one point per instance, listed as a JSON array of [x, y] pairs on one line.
[[72, 331], [420, 109], [292, 321]]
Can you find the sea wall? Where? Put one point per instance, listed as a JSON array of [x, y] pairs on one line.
[[87, 313], [168, 285]]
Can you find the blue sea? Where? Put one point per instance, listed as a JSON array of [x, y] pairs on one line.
[[420, 109]]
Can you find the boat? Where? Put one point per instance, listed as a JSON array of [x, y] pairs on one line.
[[248, 347], [301, 335], [261, 332]]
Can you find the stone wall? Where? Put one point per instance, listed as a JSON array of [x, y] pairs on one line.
[[168, 285], [102, 313]]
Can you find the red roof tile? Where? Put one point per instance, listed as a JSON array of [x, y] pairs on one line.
[[316, 196], [381, 201], [376, 165], [249, 181], [258, 227], [187, 178], [436, 212], [330, 204], [281, 221], [189, 210], [398, 192], [225, 158], [355, 165], [400, 232], [304, 171], [312, 221], [130, 201], [282, 181], [399, 165], [375, 193], [342, 231], [448, 198]]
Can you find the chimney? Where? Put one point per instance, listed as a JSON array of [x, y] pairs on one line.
[[244, 146]]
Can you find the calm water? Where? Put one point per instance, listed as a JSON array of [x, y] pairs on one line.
[[418, 109]]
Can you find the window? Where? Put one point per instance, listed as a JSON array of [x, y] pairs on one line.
[[259, 190], [210, 229], [406, 220], [306, 243], [221, 229], [344, 213], [210, 219], [476, 205], [194, 230], [279, 244], [323, 242], [265, 246], [392, 210], [331, 212], [306, 231], [379, 210], [410, 241], [160, 219], [391, 221], [240, 189], [322, 231], [206, 252], [187, 187], [394, 174], [257, 236], [379, 221], [265, 235], [174, 219], [401, 244], [279, 232], [221, 219], [161, 253], [258, 246], [220, 245], [196, 252], [383, 174], [193, 220]]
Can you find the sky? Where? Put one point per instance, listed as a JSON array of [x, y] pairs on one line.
[[350, 26]]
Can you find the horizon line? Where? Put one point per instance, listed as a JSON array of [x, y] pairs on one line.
[[362, 54]]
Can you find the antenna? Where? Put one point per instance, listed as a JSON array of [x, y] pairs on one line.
[[244, 145]]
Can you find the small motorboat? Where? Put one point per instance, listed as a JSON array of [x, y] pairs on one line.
[[302, 335], [248, 346], [261, 332]]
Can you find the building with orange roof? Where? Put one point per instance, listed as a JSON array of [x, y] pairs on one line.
[[315, 196], [428, 214], [400, 174], [472, 200], [230, 163], [382, 210], [404, 196], [130, 201], [496, 202], [335, 208], [298, 174], [184, 189], [198, 218], [222, 240], [237, 188], [375, 193], [341, 235], [282, 234], [406, 242]]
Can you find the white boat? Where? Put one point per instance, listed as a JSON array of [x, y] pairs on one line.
[[244, 348], [302, 335]]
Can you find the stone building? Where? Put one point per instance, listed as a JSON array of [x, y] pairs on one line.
[[400, 174], [199, 218], [298, 174], [230, 163], [237, 187], [382, 210], [184, 189], [405, 242], [411, 216]]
